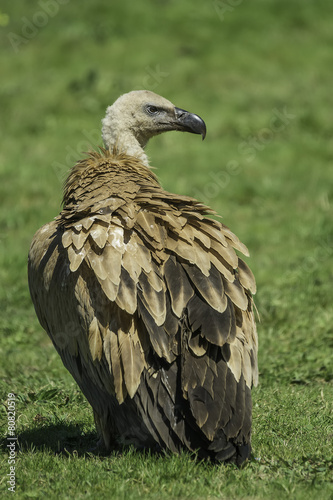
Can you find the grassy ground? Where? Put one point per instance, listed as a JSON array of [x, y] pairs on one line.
[[260, 74]]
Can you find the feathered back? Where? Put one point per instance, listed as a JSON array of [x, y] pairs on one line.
[[159, 300]]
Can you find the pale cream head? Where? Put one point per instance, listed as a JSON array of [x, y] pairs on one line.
[[139, 115]]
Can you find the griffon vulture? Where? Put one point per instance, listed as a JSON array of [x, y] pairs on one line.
[[145, 298]]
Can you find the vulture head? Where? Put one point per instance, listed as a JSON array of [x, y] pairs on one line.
[[139, 115]]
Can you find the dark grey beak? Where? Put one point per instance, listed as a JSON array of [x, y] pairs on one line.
[[189, 122]]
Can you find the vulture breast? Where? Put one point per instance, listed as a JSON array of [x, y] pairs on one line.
[[150, 309]]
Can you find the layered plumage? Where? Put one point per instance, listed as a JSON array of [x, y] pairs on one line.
[[147, 302]]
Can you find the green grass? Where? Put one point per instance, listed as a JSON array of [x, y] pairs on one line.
[[271, 179]]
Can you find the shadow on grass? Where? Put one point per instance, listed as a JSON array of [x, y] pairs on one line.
[[57, 438], [68, 439]]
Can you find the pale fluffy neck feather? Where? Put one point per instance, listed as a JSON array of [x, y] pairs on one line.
[[117, 134]]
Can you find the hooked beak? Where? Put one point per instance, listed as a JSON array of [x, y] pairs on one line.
[[189, 122]]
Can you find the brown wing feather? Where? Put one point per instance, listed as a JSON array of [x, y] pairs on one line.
[[132, 358], [95, 340]]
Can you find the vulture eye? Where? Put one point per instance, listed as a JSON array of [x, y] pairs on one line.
[[152, 110]]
